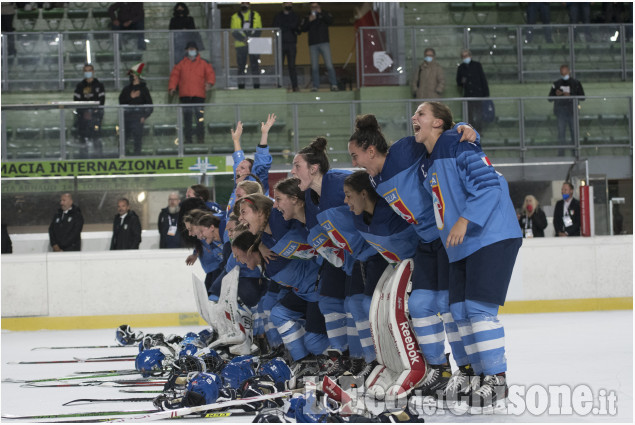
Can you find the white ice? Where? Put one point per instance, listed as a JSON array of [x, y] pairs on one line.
[[573, 349]]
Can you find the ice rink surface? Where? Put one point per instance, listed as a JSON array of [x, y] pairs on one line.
[[589, 354]]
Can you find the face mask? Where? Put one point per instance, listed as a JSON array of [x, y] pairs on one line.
[[288, 8], [467, 60], [428, 58], [244, 9], [565, 77], [530, 208], [131, 78], [88, 74], [565, 196], [192, 53], [180, 12]]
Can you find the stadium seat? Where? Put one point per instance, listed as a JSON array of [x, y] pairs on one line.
[[164, 129], [219, 127], [195, 150], [53, 18], [77, 17]]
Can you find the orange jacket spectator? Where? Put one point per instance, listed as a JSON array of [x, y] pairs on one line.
[[190, 77]]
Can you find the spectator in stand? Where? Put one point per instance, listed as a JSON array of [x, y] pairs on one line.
[[66, 228], [317, 25], [137, 94], [7, 246], [129, 17], [471, 78], [126, 227], [88, 120], [533, 10], [580, 12], [563, 108], [289, 23], [244, 22], [429, 81], [193, 76], [566, 214], [532, 219], [201, 192], [8, 13], [168, 220], [181, 20]]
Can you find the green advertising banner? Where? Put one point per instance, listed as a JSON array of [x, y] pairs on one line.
[[100, 167]]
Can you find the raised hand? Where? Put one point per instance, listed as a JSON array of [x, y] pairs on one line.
[[266, 126], [238, 132]]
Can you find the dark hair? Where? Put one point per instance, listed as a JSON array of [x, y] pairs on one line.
[[124, 200], [290, 187], [368, 133], [569, 184], [200, 191], [207, 220], [246, 241], [187, 206], [430, 49], [442, 112], [184, 6], [359, 181], [315, 153], [89, 64]]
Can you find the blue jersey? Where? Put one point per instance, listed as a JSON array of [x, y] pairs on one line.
[[461, 182], [332, 197], [212, 256], [385, 231], [260, 169], [293, 267], [338, 223]]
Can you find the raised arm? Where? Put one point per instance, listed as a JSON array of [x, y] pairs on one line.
[[236, 136], [265, 127]]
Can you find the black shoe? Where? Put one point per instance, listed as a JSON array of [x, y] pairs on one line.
[[435, 380], [338, 364], [278, 351], [356, 366], [302, 369], [461, 385], [492, 392]]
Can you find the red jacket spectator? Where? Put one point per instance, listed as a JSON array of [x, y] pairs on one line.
[[190, 77]]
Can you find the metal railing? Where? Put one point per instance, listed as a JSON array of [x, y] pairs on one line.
[[522, 128], [54, 60]]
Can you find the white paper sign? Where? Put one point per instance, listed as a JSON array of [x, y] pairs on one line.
[[259, 45], [382, 61]]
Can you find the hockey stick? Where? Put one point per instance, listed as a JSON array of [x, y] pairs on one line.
[[131, 391], [81, 414], [80, 360], [120, 371], [106, 400], [69, 378], [122, 383], [211, 415], [177, 413], [81, 347]]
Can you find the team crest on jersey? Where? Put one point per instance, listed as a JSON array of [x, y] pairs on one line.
[[323, 244], [395, 202], [298, 250], [391, 257], [486, 161], [437, 200], [338, 239]]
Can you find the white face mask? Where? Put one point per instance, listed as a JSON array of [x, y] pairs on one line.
[[565, 77], [428, 58], [467, 60], [192, 53]]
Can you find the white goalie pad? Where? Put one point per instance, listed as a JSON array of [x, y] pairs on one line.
[[203, 304], [401, 365]]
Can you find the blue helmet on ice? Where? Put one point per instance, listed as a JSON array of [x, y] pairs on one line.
[[188, 350], [125, 336], [150, 362], [234, 373], [277, 369], [207, 336], [207, 385], [307, 410]]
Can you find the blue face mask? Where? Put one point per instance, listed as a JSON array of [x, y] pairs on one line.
[[428, 58], [565, 196], [467, 60], [192, 53], [88, 74], [565, 77]]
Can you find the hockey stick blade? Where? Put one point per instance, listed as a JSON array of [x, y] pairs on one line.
[[81, 347], [67, 378], [122, 383]]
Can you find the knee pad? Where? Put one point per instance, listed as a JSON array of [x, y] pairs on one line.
[[480, 308]]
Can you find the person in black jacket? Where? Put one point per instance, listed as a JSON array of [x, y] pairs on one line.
[[168, 223], [181, 20], [471, 78], [136, 93], [317, 25], [563, 108], [126, 227], [129, 17], [566, 214], [89, 119], [289, 23], [532, 220], [66, 228], [7, 246]]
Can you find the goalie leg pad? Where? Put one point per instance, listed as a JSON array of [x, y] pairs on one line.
[[396, 344], [291, 330]]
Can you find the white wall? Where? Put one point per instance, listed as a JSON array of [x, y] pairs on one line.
[[158, 281]]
